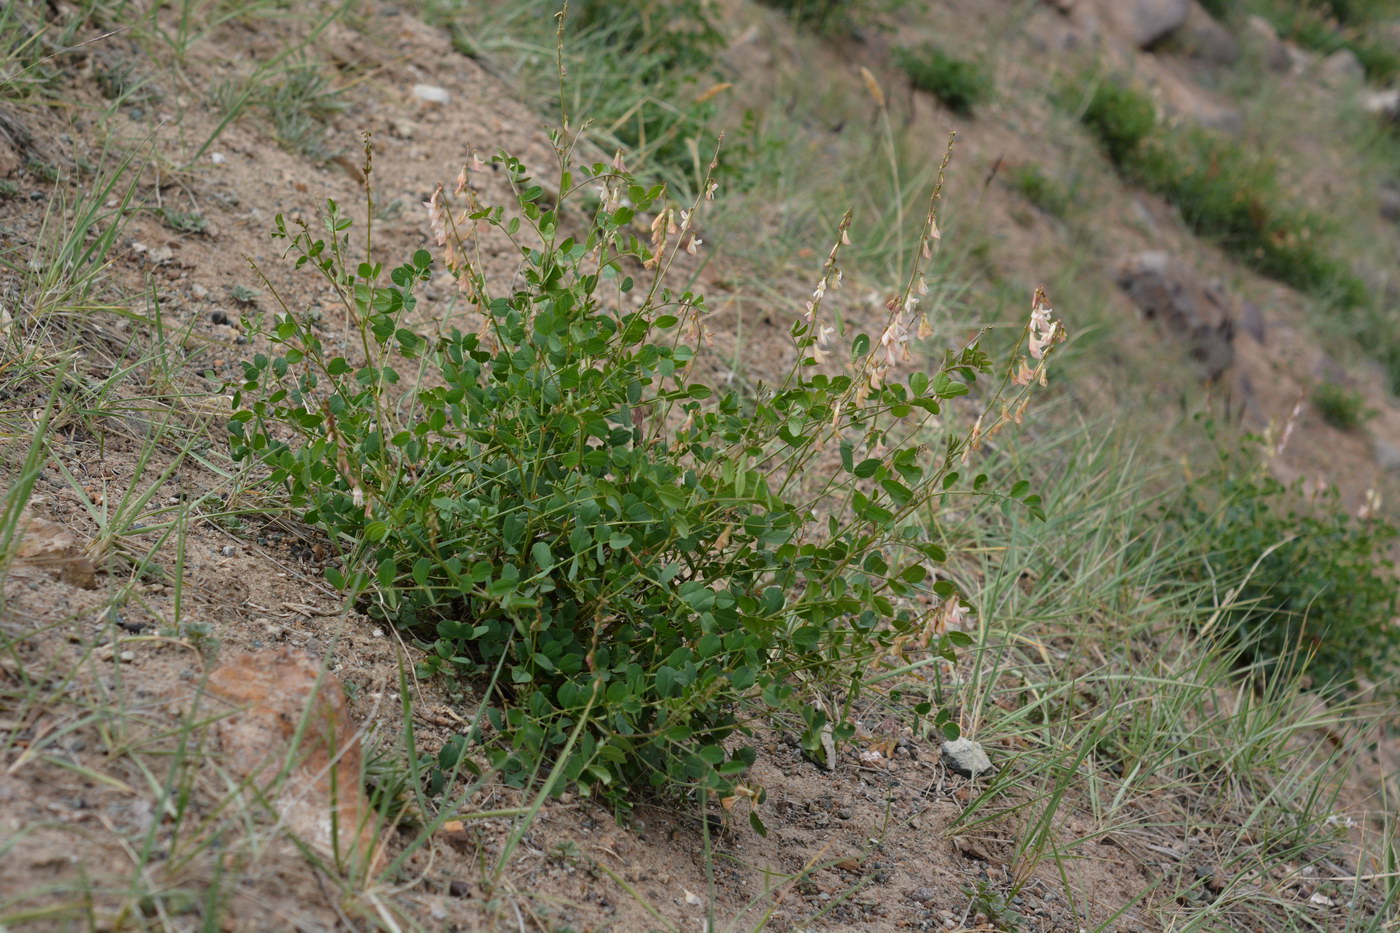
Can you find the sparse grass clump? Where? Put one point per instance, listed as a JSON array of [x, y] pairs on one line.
[[1341, 407], [296, 100], [960, 83]]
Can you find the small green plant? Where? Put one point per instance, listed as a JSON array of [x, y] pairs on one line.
[[960, 83], [8, 189], [244, 295], [1309, 586], [822, 16], [1221, 10], [44, 171], [625, 561], [1041, 190], [1341, 407], [299, 106], [1121, 117], [297, 101], [184, 221]]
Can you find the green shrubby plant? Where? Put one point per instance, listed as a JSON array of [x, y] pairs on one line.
[[1223, 191], [1233, 196], [1309, 586], [556, 507], [1120, 117], [960, 83], [1341, 407]]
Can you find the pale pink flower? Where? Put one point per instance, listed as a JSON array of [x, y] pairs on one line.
[[437, 216]]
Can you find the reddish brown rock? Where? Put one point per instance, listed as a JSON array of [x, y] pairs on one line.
[[322, 798], [55, 550]]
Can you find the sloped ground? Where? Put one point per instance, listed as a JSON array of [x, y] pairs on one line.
[[119, 813]]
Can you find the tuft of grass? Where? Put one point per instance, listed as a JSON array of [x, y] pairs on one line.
[[1046, 193], [960, 83], [35, 42], [299, 105], [1093, 695], [1341, 407], [823, 16]]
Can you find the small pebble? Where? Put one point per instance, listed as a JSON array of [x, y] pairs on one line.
[[128, 655], [430, 94], [228, 550]]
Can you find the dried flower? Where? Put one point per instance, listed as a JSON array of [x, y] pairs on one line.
[[1288, 427], [872, 86]]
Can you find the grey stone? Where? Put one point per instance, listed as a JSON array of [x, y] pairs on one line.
[[1342, 67], [966, 757], [1389, 204], [1252, 321], [1383, 104], [1168, 293], [1274, 51], [1387, 455], [1153, 20], [1207, 41]]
